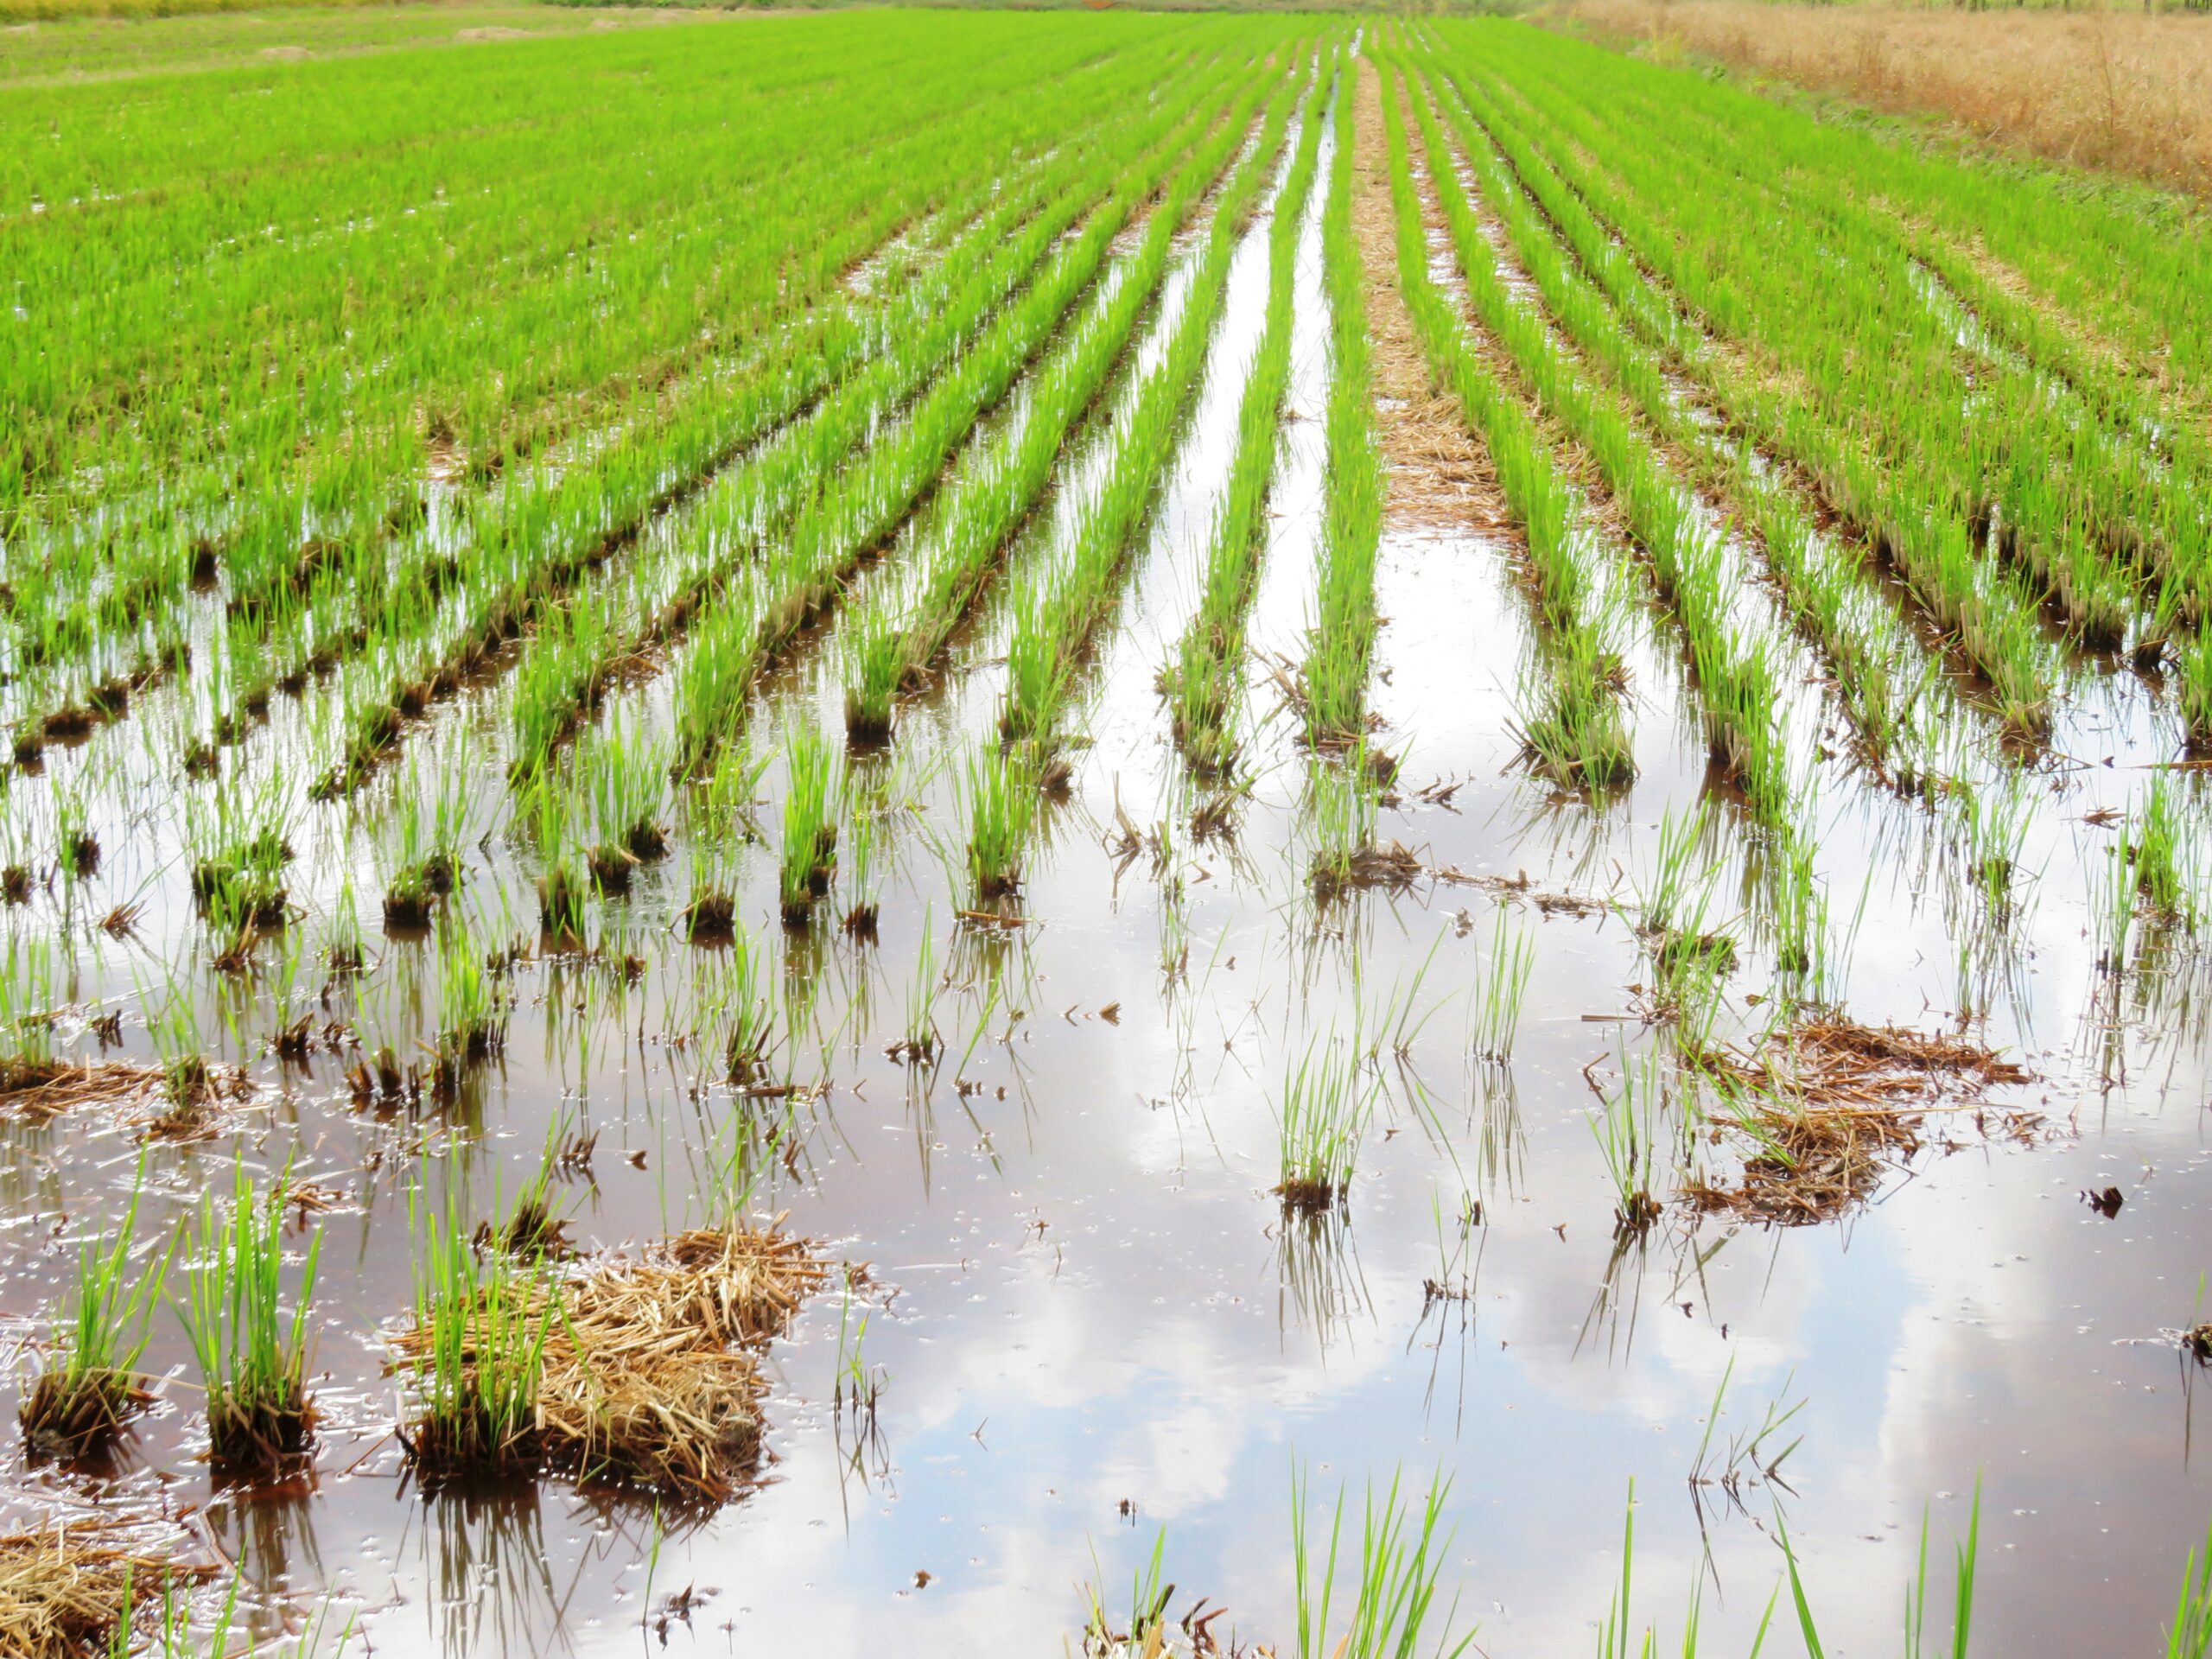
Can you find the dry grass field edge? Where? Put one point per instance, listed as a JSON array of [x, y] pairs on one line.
[[2118, 90]]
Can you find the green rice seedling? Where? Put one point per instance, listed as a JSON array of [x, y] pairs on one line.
[[1797, 904], [1347, 804], [188, 1081], [561, 888], [2113, 914], [922, 1040], [1967, 1561], [863, 855], [1326, 1103], [1682, 875], [627, 781], [1570, 722], [2190, 1636], [720, 820], [1616, 1637], [484, 1321], [1500, 991], [415, 880], [77, 849], [2164, 856], [28, 999], [253, 1358], [2194, 691], [534, 1226], [1627, 1134], [710, 913], [15, 854], [998, 803], [424, 859], [736, 1006], [876, 669], [344, 953], [89, 1387], [1752, 1454], [1994, 827], [1402, 1556], [1691, 954], [472, 1011], [239, 847], [809, 845], [1145, 1629]]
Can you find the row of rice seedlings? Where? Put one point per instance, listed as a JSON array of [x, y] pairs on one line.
[[2044, 489], [860, 200], [832, 337], [252, 1358], [1886, 502], [1571, 723], [807, 364], [1334, 680], [998, 486], [1953, 229], [1828, 597], [284, 445], [89, 1387], [510, 578], [1203, 681], [1062, 607], [1056, 617], [569, 665], [733, 643], [1734, 678]]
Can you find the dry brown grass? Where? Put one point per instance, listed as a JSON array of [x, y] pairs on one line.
[[1437, 474], [649, 1377], [1829, 1108], [62, 1593], [2108, 89]]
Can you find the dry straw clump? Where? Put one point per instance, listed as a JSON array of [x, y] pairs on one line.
[[646, 1373], [1829, 1106], [2098, 88], [44, 1088], [1438, 475], [63, 1593]]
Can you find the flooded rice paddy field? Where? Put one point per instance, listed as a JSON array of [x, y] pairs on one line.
[[1793, 1144]]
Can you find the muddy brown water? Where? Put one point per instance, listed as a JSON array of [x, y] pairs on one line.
[[1091, 1320]]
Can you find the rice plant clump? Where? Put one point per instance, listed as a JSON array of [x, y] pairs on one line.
[[1325, 1106], [632, 1370], [476, 1354], [253, 1355], [1000, 802], [809, 848], [89, 1386]]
